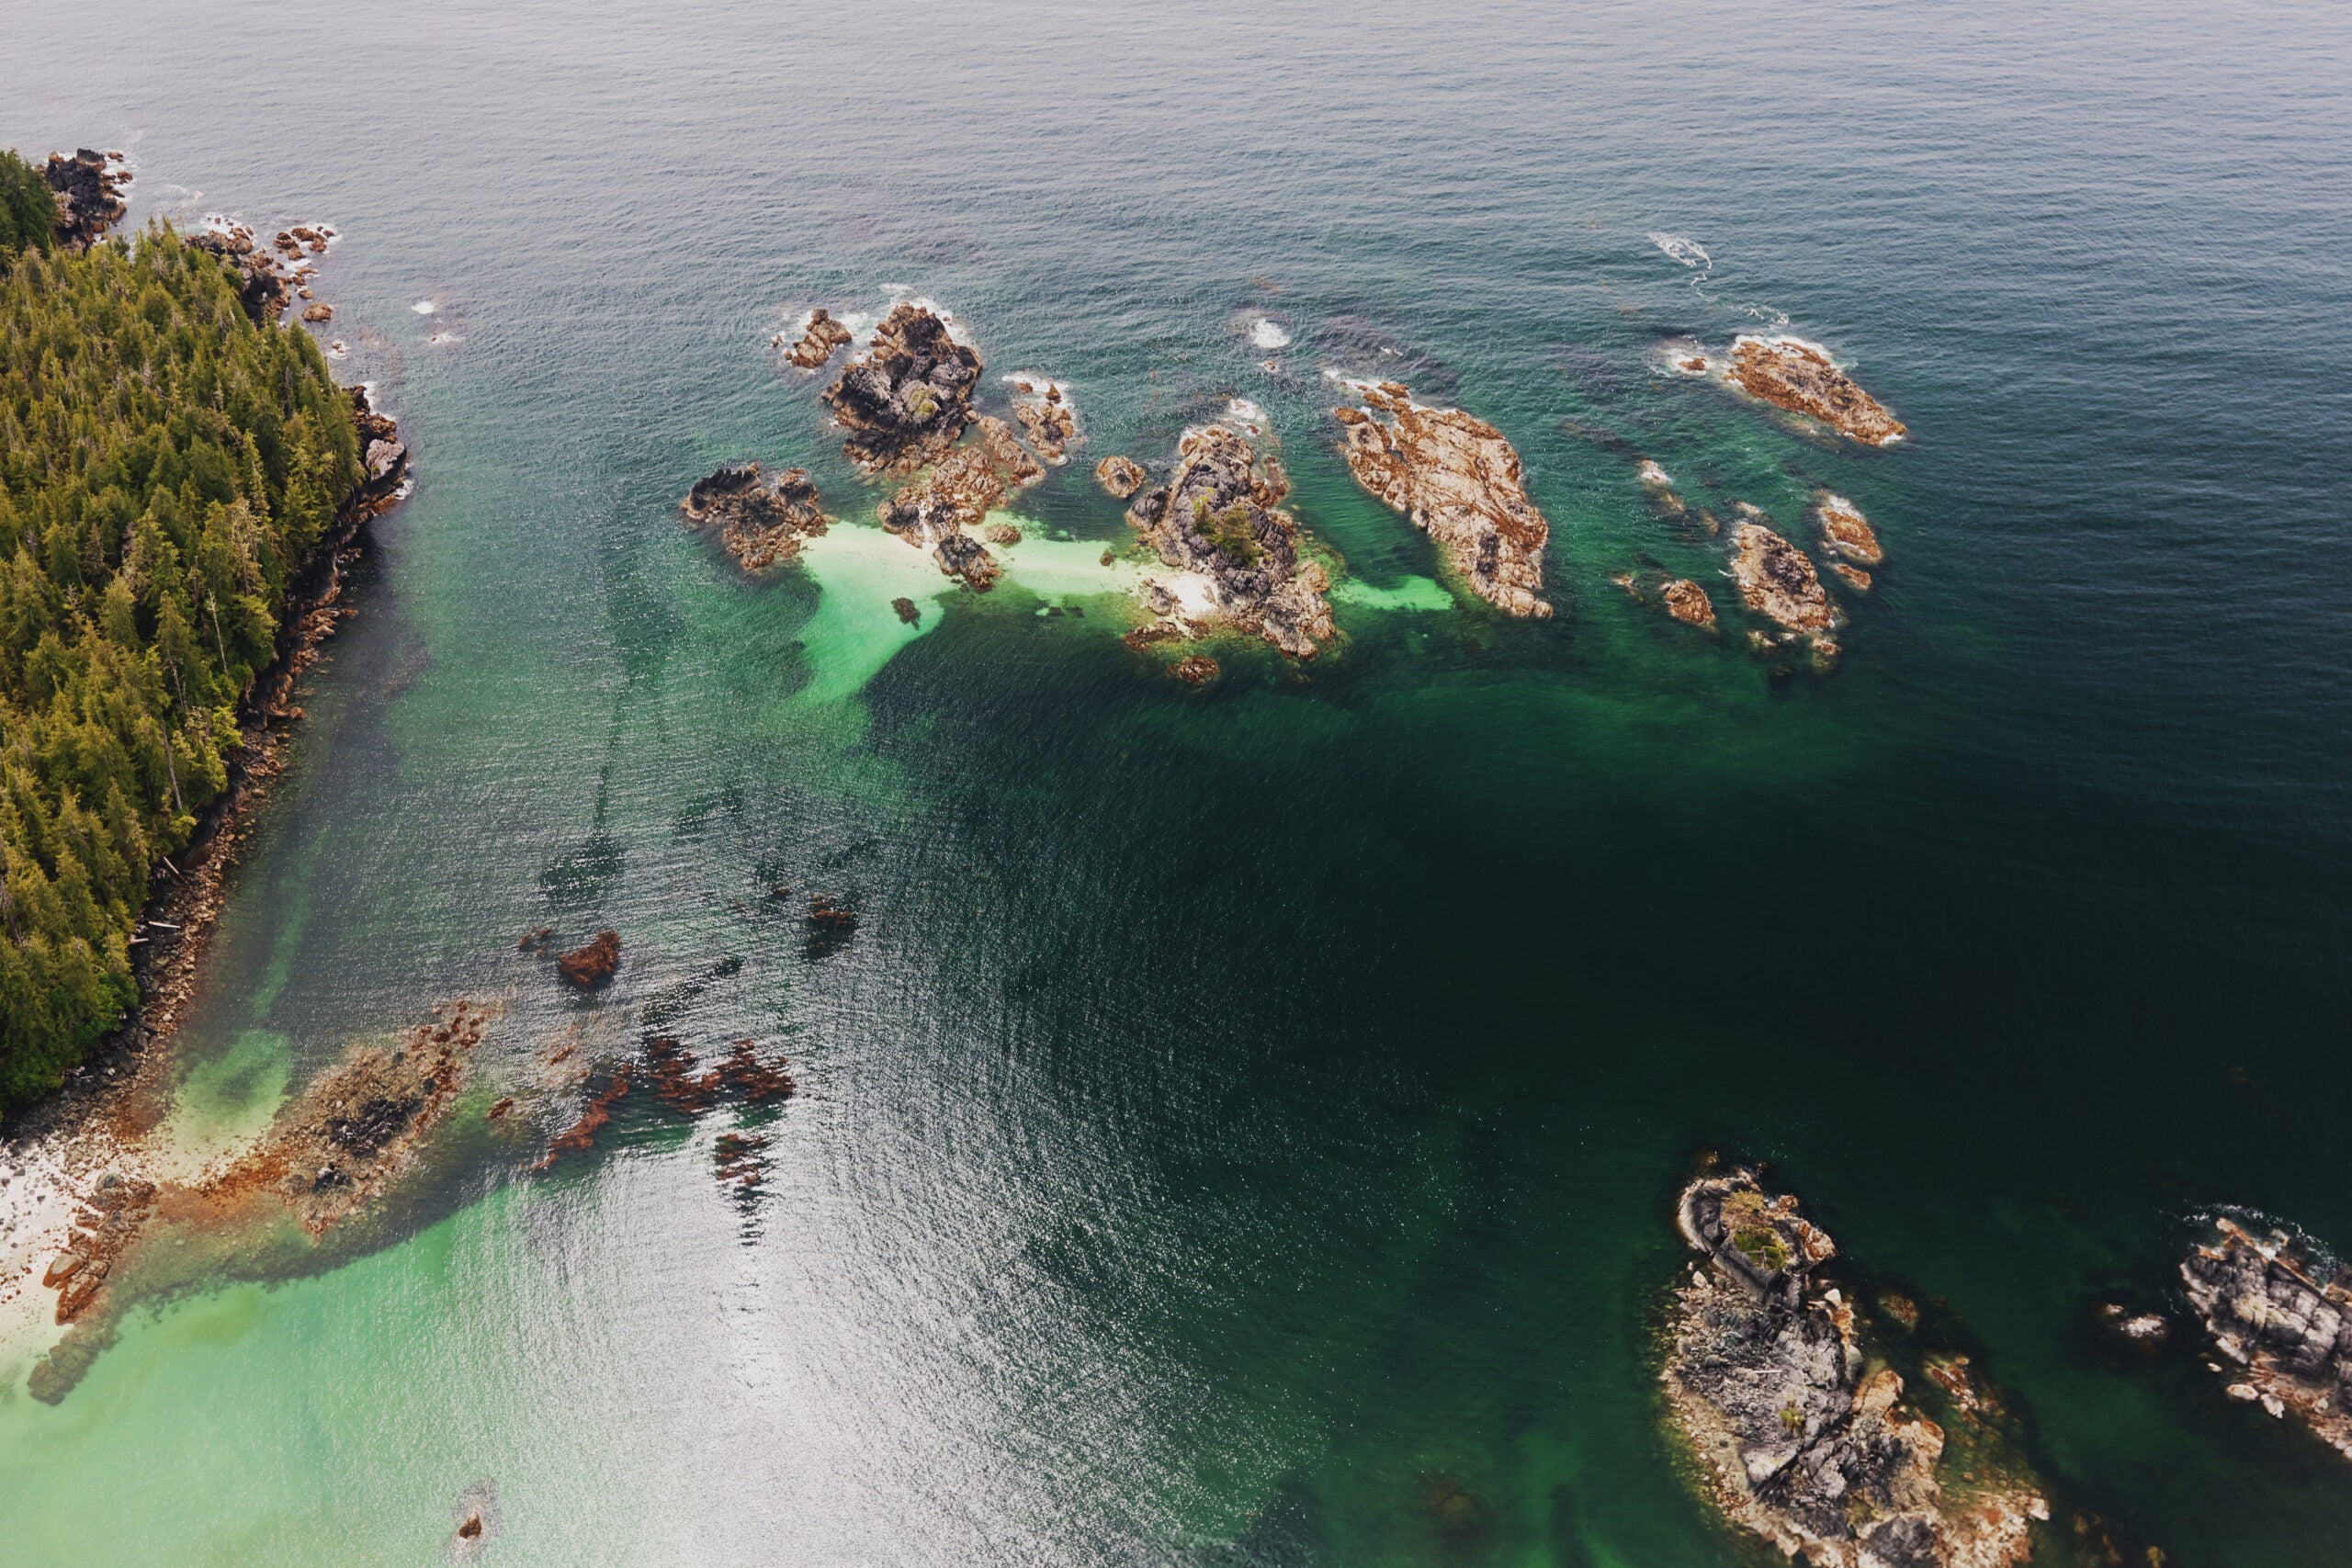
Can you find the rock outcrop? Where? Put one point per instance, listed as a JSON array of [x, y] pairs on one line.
[[1846, 532], [1045, 416], [88, 189], [2281, 1318], [1120, 475], [1217, 521], [262, 288], [763, 522], [1688, 603], [1793, 374], [1459, 481], [1801, 1441], [1776, 580], [958, 494], [380, 446], [906, 399], [817, 340]]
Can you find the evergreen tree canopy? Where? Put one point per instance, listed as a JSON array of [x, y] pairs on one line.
[[166, 466], [28, 212]]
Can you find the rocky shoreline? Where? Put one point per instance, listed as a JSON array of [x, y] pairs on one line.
[[92, 1129], [1804, 1437], [88, 188], [1460, 482]]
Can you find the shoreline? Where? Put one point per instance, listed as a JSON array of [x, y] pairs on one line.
[[119, 1092]]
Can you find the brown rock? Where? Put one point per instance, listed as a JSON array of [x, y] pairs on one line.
[[497, 1112], [318, 312], [1046, 416], [590, 967], [1846, 532], [1853, 577], [1003, 533], [907, 611], [958, 494], [817, 340], [2280, 1319], [763, 522], [1459, 481], [1120, 475], [1793, 374], [1688, 603], [1198, 669], [1776, 580]]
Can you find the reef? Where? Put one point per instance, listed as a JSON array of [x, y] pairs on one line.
[[907, 610], [331, 1150], [592, 966], [817, 340], [88, 189], [1120, 475], [1799, 1441], [1218, 521], [762, 521], [1846, 532], [2282, 1317], [907, 398], [1460, 482], [1045, 416], [1793, 374], [1198, 669], [1777, 579]]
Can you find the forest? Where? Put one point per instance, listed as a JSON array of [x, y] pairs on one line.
[[165, 466]]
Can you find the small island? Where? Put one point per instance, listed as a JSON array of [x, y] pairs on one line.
[[1217, 521], [1793, 374], [1776, 580], [1460, 482], [763, 522], [1769, 1382]]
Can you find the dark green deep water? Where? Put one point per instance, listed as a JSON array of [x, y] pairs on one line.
[[1243, 1113]]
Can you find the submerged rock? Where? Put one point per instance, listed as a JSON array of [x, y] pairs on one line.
[[817, 340], [2282, 1318], [1776, 580], [87, 187], [907, 611], [1459, 481], [1793, 374], [1198, 669], [906, 399], [1217, 521], [762, 520], [590, 967], [1846, 532], [1120, 475], [1800, 1442]]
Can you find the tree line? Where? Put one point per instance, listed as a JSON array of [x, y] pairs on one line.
[[166, 465]]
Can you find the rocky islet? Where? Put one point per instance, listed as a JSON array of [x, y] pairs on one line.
[[1218, 523], [2280, 1317], [762, 519], [1801, 1438], [1460, 482], [1791, 374]]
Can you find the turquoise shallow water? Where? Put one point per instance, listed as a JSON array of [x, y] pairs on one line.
[[1243, 1111]]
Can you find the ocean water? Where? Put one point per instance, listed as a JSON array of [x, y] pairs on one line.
[[1243, 1127]]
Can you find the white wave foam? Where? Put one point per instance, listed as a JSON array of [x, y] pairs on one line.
[[425, 307], [1684, 249], [1267, 332]]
